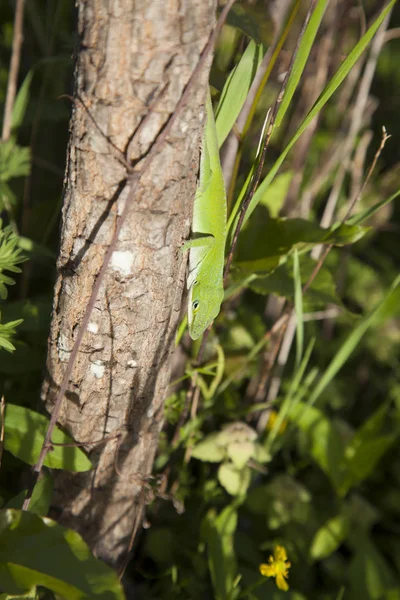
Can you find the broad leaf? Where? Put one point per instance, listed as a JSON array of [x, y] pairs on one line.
[[366, 449], [275, 195], [240, 452], [329, 537], [24, 435], [281, 501], [234, 480], [321, 292], [41, 496], [371, 577], [37, 551], [209, 450], [325, 443], [265, 237]]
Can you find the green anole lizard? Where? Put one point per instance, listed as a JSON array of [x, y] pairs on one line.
[[207, 245]]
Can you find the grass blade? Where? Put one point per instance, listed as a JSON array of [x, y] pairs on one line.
[[326, 94], [298, 308], [369, 212], [236, 89], [291, 397], [349, 345], [301, 58]]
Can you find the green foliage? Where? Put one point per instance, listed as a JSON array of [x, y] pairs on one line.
[[7, 331], [233, 447], [330, 88], [36, 551], [310, 461], [24, 436], [218, 532], [236, 89], [301, 58], [302, 468], [41, 496], [10, 257]]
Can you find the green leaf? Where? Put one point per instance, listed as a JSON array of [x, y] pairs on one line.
[[326, 94], [292, 397], [260, 454], [7, 197], [236, 89], [274, 196], [321, 292], [325, 443], [240, 452], [265, 237], [10, 257], [36, 551], [366, 449], [252, 21], [298, 308], [234, 480], [329, 537], [21, 102], [370, 575], [282, 501], [364, 461], [41, 496], [14, 160], [24, 435], [301, 58], [236, 432], [209, 391], [219, 535], [366, 214], [30, 595], [7, 331], [209, 450]]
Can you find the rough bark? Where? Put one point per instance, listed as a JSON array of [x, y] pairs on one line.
[[127, 52]]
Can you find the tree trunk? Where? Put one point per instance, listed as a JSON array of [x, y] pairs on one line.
[[128, 52]]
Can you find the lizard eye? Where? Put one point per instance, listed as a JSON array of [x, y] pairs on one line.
[[195, 305]]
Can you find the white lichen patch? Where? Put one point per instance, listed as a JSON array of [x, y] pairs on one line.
[[62, 345], [98, 368], [132, 364], [93, 328], [122, 261]]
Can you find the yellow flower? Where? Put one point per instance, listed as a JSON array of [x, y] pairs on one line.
[[273, 416], [278, 567]]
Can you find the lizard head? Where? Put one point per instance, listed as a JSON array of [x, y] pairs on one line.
[[204, 306]]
